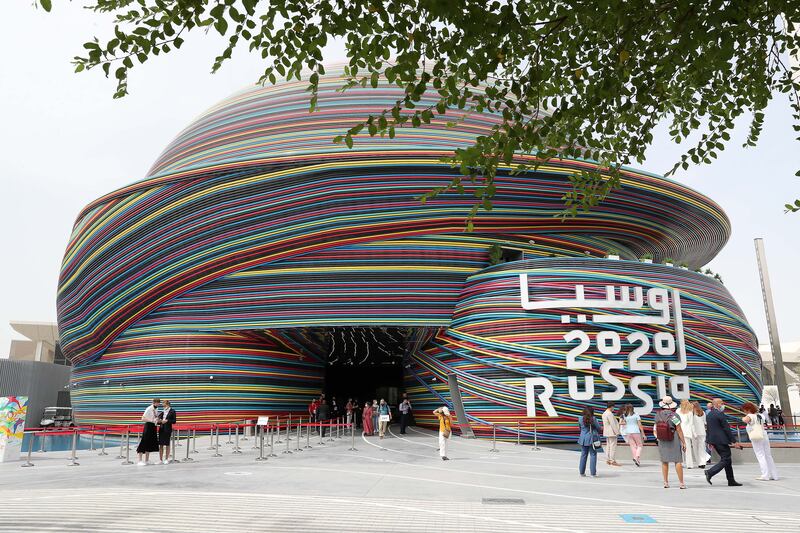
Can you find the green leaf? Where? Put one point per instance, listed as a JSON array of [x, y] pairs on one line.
[[47, 5]]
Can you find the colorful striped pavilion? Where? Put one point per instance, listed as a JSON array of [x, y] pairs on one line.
[[259, 264]]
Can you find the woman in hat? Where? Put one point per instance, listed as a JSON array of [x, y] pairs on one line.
[[445, 430], [671, 444]]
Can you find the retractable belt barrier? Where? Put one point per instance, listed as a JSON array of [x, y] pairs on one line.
[[263, 435]]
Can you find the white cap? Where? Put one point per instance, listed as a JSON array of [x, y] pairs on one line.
[[446, 411]]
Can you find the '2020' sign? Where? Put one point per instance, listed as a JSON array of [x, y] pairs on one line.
[[655, 307]]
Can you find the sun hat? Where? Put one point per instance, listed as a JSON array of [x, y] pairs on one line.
[[446, 411], [667, 403]]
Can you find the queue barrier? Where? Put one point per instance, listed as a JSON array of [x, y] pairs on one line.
[[189, 432]]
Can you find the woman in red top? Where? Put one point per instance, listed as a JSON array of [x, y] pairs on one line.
[[366, 419]]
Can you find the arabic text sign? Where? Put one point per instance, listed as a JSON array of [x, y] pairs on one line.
[[658, 308]]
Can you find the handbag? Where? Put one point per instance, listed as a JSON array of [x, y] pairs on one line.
[[757, 433]]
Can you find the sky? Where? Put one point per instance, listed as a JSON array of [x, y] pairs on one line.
[[64, 141]]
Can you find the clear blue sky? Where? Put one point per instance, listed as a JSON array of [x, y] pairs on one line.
[[65, 142]]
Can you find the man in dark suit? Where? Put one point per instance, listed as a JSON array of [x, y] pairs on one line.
[[720, 435]]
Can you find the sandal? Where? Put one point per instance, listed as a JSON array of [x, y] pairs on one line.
[[666, 485], [683, 486]]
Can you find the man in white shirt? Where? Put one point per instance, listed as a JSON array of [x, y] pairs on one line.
[[611, 433]]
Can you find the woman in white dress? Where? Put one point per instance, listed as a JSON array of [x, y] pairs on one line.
[[760, 441], [699, 448], [686, 414]]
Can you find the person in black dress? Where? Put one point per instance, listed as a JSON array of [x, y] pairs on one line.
[[149, 441], [165, 421]]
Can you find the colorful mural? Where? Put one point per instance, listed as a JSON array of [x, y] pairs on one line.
[[13, 410]]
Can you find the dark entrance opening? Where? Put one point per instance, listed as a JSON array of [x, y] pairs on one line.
[[365, 363]]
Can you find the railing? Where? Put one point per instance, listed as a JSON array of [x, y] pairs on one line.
[[264, 435]]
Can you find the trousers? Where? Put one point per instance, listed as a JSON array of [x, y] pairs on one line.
[[588, 452], [611, 448], [443, 445], [764, 457], [635, 443], [404, 420], [695, 454], [725, 462]]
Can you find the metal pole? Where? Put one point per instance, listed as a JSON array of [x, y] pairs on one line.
[[194, 440], [188, 447], [272, 444], [352, 438], [517, 432], [30, 448], [299, 434], [785, 435], [120, 456], [330, 433], [260, 440], [535, 438], [42, 438], [772, 326], [320, 434], [278, 428], [289, 425], [211, 438], [91, 445], [103, 443], [72, 459], [127, 460], [494, 438], [229, 435], [308, 435], [216, 454], [236, 449], [287, 450], [257, 430], [175, 437], [244, 429]]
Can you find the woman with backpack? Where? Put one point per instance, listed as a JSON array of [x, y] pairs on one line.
[[671, 444], [760, 441], [589, 440]]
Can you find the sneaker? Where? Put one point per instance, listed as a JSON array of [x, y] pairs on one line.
[[445, 458], [708, 478], [141, 463], [636, 462], [166, 462], [734, 484]]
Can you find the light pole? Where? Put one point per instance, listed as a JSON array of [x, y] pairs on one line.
[[772, 327]]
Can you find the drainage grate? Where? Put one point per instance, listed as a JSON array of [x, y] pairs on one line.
[[503, 501]]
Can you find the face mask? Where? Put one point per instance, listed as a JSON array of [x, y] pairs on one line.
[[722, 408]]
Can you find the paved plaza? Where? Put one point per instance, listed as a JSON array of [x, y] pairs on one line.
[[396, 484]]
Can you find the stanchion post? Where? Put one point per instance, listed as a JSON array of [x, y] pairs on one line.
[[42, 437], [127, 460], [189, 436], [288, 427], [330, 432], [244, 429], [535, 438], [260, 440], [299, 434], [103, 443], [216, 453], [175, 437], [72, 459], [194, 440], [308, 435], [272, 444], [494, 438], [28, 463], [236, 449], [785, 435], [320, 434], [352, 438], [211, 438], [287, 450], [229, 435], [91, 445]]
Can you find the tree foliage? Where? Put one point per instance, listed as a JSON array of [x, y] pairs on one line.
[[584, 79]]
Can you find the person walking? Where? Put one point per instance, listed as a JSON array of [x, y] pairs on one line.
[[149, 440], [312, 410], [165, 421], [773, 415], [666, 427], [686, 414], [385, 414], [375, 416], [589, 440], [366, 420], [779, 414], [698, 443], [445, 430], [760, 442], [634, 432], [405, 415], [720, 435], [348, 409], [611, 432]]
